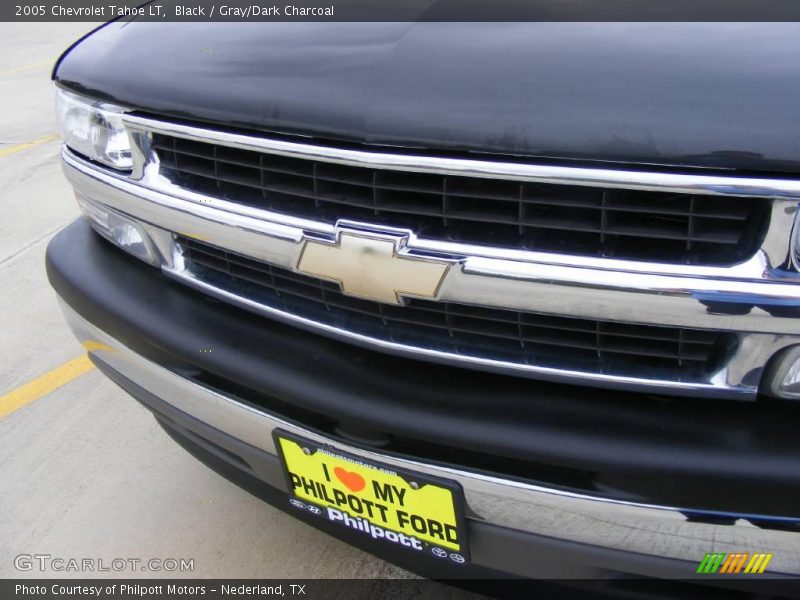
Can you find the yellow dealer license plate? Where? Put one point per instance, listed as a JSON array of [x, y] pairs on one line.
[[390, 505]]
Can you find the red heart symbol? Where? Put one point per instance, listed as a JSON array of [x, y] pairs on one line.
[[353, 481]]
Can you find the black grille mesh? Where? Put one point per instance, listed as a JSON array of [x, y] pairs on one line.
[[508, 335], [581, 220]]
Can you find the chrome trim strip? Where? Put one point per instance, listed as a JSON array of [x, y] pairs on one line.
[[658, 298], [723, 384], [785, 193], [581, 292], [662, 531], [477, 167]]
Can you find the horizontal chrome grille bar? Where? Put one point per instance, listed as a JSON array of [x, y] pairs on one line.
[[627, 179], [532, 282], [585, 221], [516, 337], [613, 293]]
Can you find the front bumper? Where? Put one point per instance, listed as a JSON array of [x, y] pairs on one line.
[[180, 354]]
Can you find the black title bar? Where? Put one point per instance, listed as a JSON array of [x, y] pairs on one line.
[[402, 10], [336, 589]]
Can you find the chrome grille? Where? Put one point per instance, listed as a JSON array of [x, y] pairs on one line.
[[582, 220], [513, 336]]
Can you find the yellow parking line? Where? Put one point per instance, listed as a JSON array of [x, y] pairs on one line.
[[30, 67], [20, 147], [44, 384]]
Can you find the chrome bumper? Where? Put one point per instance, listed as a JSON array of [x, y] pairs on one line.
[[652, 531], [612, 290]]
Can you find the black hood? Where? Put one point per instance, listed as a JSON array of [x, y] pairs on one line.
[[723, 95]]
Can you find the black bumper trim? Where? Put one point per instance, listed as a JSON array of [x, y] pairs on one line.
[[690, 452]]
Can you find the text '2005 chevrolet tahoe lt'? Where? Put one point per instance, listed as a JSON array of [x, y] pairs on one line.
[[478, 298]]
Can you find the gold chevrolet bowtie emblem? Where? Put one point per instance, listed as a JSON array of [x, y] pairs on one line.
[[368, 266]]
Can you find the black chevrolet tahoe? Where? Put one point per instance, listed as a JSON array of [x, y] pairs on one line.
[[479, 298]]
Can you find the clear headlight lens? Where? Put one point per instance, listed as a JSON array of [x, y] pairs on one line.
[[786, 378], [94, 129], [120, 230]]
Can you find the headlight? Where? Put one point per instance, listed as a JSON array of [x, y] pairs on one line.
[[94, 129], [785, 376], [120, 230]]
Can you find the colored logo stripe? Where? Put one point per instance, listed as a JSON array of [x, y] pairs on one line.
[[758, 563], [711, 562], [734, 562]]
